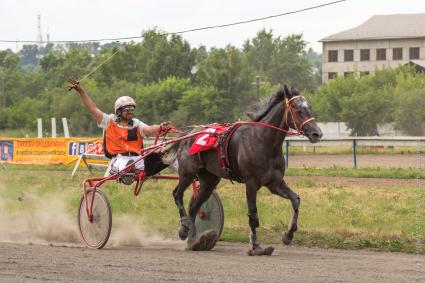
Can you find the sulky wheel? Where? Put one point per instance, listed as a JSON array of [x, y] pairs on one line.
[[95, 233], [210, 215]]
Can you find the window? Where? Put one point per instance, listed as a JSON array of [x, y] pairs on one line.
[[348, 74], [381, 54], [331, 75], [414, 53], [364, 54], [397, 53], [333, 55], [362, 74], [348, 55]]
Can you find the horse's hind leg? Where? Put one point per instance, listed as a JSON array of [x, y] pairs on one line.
[[185, 221], [254, 223], [208, 239], [282, 189]]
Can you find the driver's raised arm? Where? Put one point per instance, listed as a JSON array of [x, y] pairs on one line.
[[91, 106]]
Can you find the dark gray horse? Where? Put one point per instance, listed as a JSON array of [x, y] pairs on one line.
[[255, 157]]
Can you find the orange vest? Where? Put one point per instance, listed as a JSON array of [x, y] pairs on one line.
[[122, 140]]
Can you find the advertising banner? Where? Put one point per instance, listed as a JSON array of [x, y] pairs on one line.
[[47, 150]]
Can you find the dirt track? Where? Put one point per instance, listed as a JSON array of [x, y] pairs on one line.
[[226, 263], [168, 261], [363, 160]]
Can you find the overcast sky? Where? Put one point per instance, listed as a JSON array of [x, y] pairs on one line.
[[94, 19]]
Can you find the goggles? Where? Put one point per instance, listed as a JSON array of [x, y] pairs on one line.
[[128, 109]]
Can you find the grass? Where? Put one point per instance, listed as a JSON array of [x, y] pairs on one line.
[[339, 216], [334, 171], [372, 172]]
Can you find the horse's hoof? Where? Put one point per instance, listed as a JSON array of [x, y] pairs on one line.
[[183, 232], [287, 238], [205, 242], [268, 251], [185, 225], [260, 251]]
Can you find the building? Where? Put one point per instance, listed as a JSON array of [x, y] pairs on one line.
[[383, 41]]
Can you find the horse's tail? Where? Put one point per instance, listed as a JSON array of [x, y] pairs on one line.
[[170, 151]]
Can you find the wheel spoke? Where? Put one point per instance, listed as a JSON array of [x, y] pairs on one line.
[[95, 233]]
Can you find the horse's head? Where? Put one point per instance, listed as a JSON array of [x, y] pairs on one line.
[[299, 116]]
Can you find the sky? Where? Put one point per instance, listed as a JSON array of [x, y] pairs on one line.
[[94, 19]]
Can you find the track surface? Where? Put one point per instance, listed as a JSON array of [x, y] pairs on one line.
[[228, 262], [168, 261], [363, 160]]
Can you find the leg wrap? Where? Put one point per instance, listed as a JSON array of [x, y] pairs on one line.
[[253, 221]]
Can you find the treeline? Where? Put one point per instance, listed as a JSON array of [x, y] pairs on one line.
[[388, 96], [169, 79]]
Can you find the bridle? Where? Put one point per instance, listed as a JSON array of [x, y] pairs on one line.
[[294, 117]]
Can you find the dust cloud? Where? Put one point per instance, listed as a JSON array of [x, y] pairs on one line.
[[47, 221]]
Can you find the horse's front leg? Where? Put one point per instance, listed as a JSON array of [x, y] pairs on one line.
[[186, 223], [282, 189], [254, 223]]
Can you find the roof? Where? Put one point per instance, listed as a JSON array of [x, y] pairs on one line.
[[419, 65], [384, 27]]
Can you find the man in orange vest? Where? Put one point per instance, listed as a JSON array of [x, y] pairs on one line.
[[123, 134]]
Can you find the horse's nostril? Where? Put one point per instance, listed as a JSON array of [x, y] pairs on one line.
[[317, 135]]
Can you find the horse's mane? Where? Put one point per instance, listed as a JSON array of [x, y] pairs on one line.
[[260, 109]]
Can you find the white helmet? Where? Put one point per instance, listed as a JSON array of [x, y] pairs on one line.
[[124, 101]]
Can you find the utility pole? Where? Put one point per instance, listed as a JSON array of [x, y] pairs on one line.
[[257, 83], [3, 94], [39, 33]]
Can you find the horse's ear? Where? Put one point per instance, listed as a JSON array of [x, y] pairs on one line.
[[287, 92], [294, 91]]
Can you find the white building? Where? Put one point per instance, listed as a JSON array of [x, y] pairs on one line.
[[384, 41]]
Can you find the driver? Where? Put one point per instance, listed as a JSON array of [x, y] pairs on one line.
[[123, 135]]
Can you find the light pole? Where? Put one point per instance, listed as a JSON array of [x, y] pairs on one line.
[[2, 78], [257, 83]]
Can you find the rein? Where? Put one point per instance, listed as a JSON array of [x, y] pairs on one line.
[[290, 133], [298, 130]]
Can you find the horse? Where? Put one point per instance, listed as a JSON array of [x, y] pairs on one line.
[[255, 157]]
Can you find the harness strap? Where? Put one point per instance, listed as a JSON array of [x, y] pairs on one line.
[[224, 160], [305, 122]]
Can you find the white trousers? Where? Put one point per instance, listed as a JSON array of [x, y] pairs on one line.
[[119, 162]]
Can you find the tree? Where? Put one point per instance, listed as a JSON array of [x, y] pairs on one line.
[[154, 59], [281, 60], [28, 56], [328, 98], [259, 50], [157, 102], [409, 114], [290, 64], [227, 72], [315, 60]]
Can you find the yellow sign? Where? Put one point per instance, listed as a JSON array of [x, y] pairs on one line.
[[47, 150]]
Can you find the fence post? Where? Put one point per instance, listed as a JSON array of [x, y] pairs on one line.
[[355, 153], [65, 128], [39, 128], [287, 154], [53, 119]]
